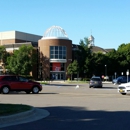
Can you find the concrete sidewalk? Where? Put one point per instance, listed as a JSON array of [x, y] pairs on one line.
[[23, 117], [66, 81]]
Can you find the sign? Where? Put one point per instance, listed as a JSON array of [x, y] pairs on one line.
[[56, 66]]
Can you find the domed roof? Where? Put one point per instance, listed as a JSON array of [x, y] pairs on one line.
[[55, 32]]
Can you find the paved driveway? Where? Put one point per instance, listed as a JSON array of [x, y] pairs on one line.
[[75, 109]]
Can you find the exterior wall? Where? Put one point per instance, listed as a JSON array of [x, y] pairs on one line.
[[10, 37], [11, 41], [44, 45]]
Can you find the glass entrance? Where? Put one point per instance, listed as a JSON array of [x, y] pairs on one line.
[[57, 76]]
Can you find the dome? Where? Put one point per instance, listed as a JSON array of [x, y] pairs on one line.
[[55, 32]]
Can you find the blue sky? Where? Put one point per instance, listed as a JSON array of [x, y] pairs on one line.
[[108, 20]]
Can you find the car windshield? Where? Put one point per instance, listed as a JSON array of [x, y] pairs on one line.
[[121, 77], [95, 79]]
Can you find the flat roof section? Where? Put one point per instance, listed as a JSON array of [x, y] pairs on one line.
[[19, 35]]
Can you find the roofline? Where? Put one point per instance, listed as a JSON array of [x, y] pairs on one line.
[[44, 38]]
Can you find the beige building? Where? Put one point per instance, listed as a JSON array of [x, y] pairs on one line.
[[54, 49], [12, 40]]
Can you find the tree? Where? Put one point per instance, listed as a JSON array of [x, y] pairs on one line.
[[3, 54], [70, 69], [84, 55], [73, 68], [21, 61], [97, 63], [123, 52]]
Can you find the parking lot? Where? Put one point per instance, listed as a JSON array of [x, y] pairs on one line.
[[76, 108]]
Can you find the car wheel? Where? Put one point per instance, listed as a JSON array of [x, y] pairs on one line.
[[123, 93], [35, 90], [5, 90]]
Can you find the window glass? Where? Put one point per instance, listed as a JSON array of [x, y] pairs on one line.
[[51, 48], [96, 79], [22, 79], [56, 48], [60, 52], [60, 56], [56, 56], [60, 48], [52, 57], [64, 52], [64, 48], [14, 78], [52, 52], [7, 78], [64, 56], [57, 52]]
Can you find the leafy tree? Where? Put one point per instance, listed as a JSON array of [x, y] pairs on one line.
[[70, 69], [3, 54], [73, 68], [84, 55], [123, 52], [96, 63], [21, 61]]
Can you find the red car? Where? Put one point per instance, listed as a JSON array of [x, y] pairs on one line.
[[18, 83]]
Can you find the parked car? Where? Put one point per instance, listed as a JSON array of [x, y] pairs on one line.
[[95, 81], [124, 88], [18, 83], [121, 79]]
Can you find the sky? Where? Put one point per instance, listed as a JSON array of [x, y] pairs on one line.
[[107, 20]]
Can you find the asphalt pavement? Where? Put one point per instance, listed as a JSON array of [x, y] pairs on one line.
[[29, 116]]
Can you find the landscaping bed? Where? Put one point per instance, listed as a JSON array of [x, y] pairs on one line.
[[9, 109]]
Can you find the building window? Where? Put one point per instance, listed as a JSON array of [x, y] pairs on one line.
[[57, 52]]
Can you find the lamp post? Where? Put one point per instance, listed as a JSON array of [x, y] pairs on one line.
[[106, 72]]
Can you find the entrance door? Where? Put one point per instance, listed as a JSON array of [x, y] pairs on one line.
[[57, 76], [62, 76]]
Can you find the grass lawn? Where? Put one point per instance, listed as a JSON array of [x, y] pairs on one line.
[[9, 109]]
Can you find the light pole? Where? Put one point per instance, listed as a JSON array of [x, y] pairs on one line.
[[105, 70]]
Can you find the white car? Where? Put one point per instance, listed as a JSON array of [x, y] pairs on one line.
[[124, 88]]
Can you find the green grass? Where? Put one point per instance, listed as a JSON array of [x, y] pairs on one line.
[[9, 109], [42, 82]]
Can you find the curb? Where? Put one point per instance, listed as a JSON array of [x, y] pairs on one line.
[[23, 117]]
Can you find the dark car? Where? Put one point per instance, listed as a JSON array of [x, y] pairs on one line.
[[18, 83], [121, 79], [95, 82]]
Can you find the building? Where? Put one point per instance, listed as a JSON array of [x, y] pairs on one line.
[[12, 40], [55, 51]]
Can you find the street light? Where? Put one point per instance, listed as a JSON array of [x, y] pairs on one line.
[[105, 70]]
